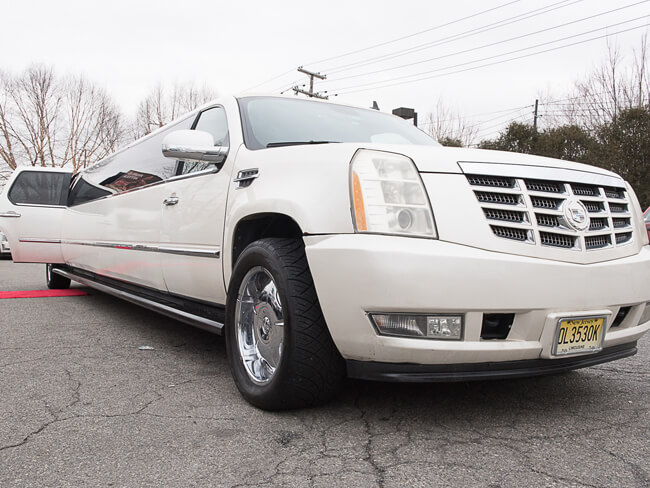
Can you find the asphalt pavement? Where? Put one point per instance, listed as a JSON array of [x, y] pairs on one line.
[[81, 405]]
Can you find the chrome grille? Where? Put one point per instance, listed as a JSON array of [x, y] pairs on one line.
[[510, 233], [617, 207], [545, 186], [599, 223], [532, 211], [594, 207], [585, 190], [623, 237], [620, 223], [557, 240], [546, 220], [617, 193], [493, 181], [597, 242], [543, 202], [504, 215], [502, 198]]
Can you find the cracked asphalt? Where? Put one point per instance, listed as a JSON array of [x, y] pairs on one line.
[[81, 405]]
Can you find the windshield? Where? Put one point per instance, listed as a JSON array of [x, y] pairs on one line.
[[274, 122]]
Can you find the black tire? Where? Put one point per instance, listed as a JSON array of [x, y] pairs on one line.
[[55, 281], [310, 368]]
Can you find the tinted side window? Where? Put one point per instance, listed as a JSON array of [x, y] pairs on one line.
[[40, 188], [214, 122], [138, 166]]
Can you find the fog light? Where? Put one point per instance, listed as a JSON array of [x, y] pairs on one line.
[[446, 327], [645, 316]]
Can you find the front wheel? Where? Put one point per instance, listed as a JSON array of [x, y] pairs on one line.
[[280, 351], [55, 281]]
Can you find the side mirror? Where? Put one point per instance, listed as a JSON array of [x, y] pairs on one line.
[[194, 145]]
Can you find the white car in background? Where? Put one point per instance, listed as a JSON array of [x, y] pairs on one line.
[[326, 240]]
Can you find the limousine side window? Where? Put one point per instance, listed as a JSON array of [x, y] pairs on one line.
[[214, 122], [134, 167], [40, 188]]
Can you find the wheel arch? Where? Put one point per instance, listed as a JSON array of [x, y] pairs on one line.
[[258, 226]]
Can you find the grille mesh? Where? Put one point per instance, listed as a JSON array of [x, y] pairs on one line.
[[597, 242], [510, 233], [547, 220], [585, 190], [594, 207], [549, 203], [504, 215], [502, 198], [493, 181], [598, 223], [534, 212], [623, 237], [617, 207], [557, 240], [620, 223], [545, 186], [614, 193]]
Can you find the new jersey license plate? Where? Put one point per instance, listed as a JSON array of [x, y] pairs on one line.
[[579, 335]]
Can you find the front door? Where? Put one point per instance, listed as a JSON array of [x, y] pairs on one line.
[[32, 207], [193, 220]]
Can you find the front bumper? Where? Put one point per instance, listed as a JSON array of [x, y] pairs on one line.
[[358, 274], [414, 373]]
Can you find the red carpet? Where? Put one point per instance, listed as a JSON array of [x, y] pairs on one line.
[[42, 293]]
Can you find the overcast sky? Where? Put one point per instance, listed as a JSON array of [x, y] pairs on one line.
[[128, 46]]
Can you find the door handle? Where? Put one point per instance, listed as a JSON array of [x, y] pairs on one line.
[[173, 200], [10, 213]]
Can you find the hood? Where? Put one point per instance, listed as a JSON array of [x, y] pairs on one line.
[[447, 155]]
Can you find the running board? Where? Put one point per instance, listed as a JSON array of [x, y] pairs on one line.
[[188, 318]]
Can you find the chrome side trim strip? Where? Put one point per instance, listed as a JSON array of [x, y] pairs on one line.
[[40, 241], [184, 251], [194, 320], [541, 173]]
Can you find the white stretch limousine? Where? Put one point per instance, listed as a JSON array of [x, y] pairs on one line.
[[326, 240]]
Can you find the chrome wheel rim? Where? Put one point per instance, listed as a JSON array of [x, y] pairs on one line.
[[260, 325], [48, 272]]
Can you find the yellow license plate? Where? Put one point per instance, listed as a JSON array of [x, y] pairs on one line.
[[579, 335]]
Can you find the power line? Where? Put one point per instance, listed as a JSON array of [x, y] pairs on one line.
[[469, 116], [455, 37], [506, 116], [362, 86], [487, 130], [494, 43], [269, 80], [445, 40], [414, 34]]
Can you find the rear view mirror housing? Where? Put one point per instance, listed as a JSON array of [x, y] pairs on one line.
[[193, 145]]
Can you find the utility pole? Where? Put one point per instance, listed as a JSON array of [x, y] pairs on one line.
[[535, 117], [311, 92]]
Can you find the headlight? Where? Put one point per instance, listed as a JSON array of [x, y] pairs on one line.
[[388, 196]]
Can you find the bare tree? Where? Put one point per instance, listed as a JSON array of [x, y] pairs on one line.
[[28, 117], [449, 127], [163, 105], [49, 121], [93, 124], [612, 87]]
